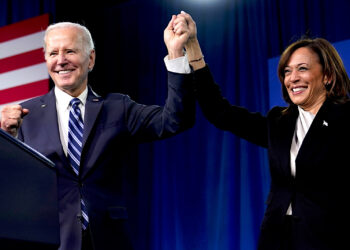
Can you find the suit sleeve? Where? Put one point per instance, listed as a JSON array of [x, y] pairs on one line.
[[223, 115], [155, 122]]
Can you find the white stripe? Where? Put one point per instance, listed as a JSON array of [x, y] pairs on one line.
[[76, 128], [83, 208], [12, 103], [75, 114], [74, 159], [85, 216], [22, 76], [75, 138], [71, 154], [75, 149], [22, 44], [77, 117]]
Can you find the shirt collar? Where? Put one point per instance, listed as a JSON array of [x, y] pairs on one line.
[[63, 99], [306, 114]]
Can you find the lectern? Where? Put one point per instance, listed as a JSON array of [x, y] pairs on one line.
[[28, 197]]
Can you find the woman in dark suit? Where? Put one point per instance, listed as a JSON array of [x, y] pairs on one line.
[[307, 143]]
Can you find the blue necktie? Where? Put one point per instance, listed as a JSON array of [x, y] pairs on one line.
[[75, 140]]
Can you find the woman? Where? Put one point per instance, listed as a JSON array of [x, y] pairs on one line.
[[309, 163]]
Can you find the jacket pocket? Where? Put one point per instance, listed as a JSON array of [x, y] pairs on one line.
[[118, 213]]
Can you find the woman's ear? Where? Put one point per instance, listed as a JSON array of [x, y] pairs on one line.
[[327, 80]]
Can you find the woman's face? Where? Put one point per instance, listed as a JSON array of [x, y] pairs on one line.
[[304, 80]]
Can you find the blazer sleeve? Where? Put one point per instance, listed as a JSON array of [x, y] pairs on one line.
[[238, 120], [150, 122]]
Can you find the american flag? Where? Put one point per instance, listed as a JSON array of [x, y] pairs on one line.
[[23, 73]]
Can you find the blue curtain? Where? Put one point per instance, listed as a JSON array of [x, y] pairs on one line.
[[12, 11], [205, 188]]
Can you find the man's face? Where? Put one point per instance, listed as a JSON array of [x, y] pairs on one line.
[[67, 62]]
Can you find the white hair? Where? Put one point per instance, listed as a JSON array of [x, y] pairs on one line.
[[88, 43]]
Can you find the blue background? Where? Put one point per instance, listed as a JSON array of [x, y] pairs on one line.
[[203, 189]]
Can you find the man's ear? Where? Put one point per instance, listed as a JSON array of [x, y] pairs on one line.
[[92, 58]]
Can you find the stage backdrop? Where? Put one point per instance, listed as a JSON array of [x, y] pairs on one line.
[[204, 189]]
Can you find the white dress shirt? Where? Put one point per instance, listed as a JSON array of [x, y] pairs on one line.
[[178, 65], [302, 125], [63, 109]]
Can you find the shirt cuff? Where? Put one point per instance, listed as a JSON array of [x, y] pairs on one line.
[[178, 65]]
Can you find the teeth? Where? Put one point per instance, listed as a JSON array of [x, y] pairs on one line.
[[64, 71], [298, 89]]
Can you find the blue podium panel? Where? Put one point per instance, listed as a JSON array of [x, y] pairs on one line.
[[28, 197]]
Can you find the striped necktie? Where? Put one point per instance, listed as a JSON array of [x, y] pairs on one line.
[[75, 140]]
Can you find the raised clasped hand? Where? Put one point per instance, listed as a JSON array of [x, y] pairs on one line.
[[191, 25], [176, 35]]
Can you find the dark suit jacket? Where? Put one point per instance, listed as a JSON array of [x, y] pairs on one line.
[[110, 123], [321, 187]]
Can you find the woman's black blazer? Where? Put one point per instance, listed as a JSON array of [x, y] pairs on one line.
[[320, 191]]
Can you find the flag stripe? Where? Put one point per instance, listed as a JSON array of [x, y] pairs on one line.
[[13, 103], [21, 45], [24, 91], [21, 60], [24, 28], [23, 71], [24, 75]]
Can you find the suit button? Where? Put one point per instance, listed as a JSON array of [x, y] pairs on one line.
[[79, 217]]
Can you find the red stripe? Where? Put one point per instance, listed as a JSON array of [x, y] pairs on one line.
[[24, 28], [24, 91], [22, 60]]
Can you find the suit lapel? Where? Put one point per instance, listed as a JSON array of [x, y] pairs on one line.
[[313, 138], [317, 133], [50, 125], [286, 133], [93, 107]]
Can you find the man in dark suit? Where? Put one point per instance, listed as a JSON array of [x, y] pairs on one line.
[[86, 144]]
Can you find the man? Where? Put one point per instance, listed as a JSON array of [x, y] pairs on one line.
[[85, 134]]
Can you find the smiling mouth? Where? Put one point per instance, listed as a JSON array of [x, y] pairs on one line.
[[61, 72], [299, 89]]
